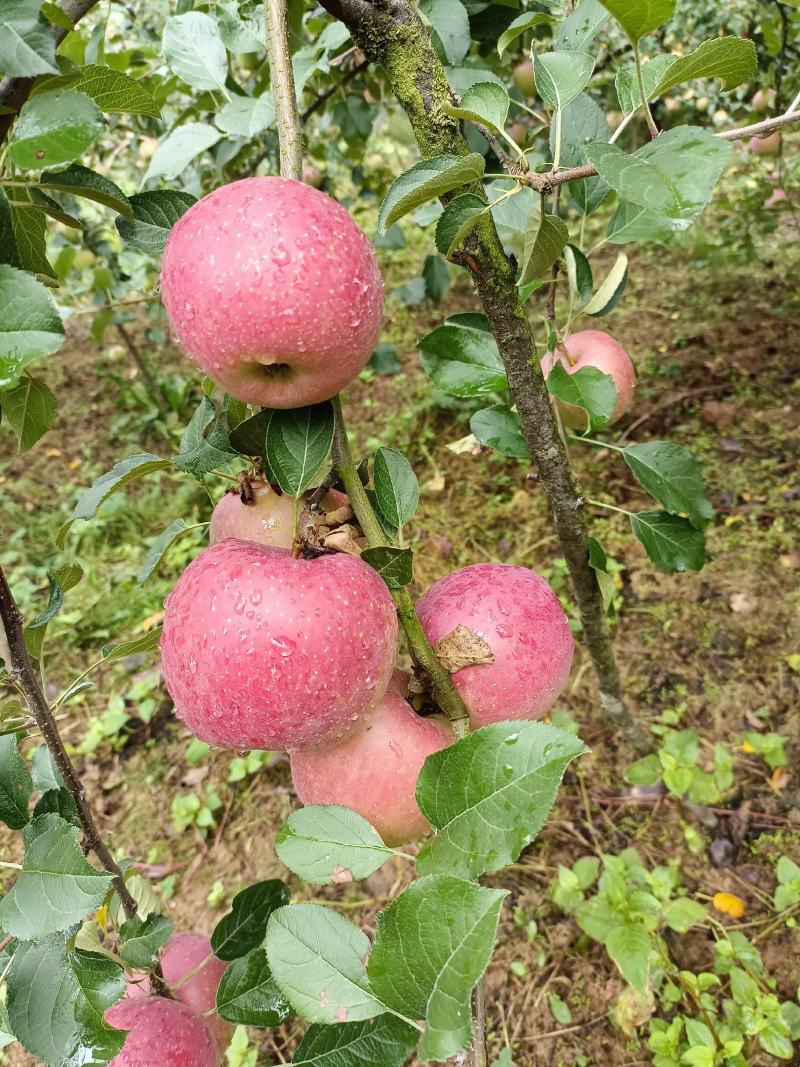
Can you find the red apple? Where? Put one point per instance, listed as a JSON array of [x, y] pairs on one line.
[[273, 290], [399, 682], [763, 99], [517, 613], [766, 146], [375, 771], [593, 348], [267, 520], [161, 1033], [261, 650]]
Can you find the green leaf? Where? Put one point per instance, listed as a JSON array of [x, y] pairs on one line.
[[645, 771], [30, 410], [245, 925], [588, 388], [458, 219], [396, 486], [384, 360], [248, 995], [56, 888], [48, 206], [627, 85], [8, 245], [57, 999], [638, 17], [669, 473], [544, 242], [80, 181], [731, 59], [485, 103], [112, 90], [674, 175], [432, 945], [35, 630], [682, 913], [526, 21], [27, 46], [140, 939], [630, 222], [44, 772], [15, 784], [193, 48], [30, 325], [582, 123], [463, 359], [250, 437], [29, 224], [152, 216], [610, 292], [327, 844], [245, 116], [450, 21], [672, 543], [127, 470], [394, 565], [242, 35], [499, 427], [145, 643], [180, 147], [426, 181], [436, 275], [297, 444], [204, 444], [628, 945], [58, 801], [561, 76], [599, 564], [155, 552], [504, 777], [387, 1041], [317, 959], [579, 275], [53, 129], [580, 27]]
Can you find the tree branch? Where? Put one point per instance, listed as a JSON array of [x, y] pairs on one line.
[[24, 675], [283, 91], [15, 91]]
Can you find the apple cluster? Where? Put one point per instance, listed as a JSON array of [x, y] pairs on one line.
[[273, 290]]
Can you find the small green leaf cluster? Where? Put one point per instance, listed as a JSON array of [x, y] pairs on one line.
[[677, 765]]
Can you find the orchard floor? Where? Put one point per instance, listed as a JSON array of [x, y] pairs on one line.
[[719, 358]]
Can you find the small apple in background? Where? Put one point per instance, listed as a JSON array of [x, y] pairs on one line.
[[147, 148], [763, 99], [777, 196], [517, 613], [523, 78], [261, 650], [593, 348], [312, 175], [161, 1033], [766, 146], [267, 520], [375, 770], [273, 290]]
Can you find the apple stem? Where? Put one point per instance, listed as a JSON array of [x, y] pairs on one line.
[[444, 691], [290, 141]]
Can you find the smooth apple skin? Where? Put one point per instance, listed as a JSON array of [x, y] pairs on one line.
[[375, 770], [272, 289], [161, 1033], [593, 348], [181, 954], [268, 520], [261, 650], [766, 146], [517, 613]]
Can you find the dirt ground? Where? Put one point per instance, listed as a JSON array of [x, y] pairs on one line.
[[718, 355]]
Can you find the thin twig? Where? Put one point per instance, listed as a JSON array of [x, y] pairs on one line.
[[341, 84], [283, 90]]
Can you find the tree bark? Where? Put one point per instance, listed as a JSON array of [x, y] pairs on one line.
[[391, 34]]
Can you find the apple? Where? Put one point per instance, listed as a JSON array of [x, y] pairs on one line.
[[312, 175], [267, 520], [777, 196], [161, 1033], [593, 348], [766, 146], [762, 100], [261, 650], [147, 148], [375, 770], [523, 78], [273, 290], [517, 613], [400, 681]]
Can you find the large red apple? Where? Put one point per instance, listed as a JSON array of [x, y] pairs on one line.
[[375, 770], [517, 613], [593, 348], [161, 1033], [261, 650], [268, 519], [273, 290]]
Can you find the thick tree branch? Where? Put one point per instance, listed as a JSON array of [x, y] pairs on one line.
[[25, 676], [283, 91], [393, 36], [15, 91]]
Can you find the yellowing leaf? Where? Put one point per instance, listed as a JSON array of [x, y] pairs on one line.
[[729, 904], [747, 747], [779, 779]]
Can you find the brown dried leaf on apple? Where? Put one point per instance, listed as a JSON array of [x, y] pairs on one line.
[[344, 539], [462, 647]]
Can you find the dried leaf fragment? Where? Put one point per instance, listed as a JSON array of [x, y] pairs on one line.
[[462, 648]]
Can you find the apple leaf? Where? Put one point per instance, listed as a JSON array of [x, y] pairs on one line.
[[140, 939], [161, 543], [611, 290], [561, 76], [450, 22], [328, 844], [588, 388], [396, 486], [458, 219], [80, 181], [582, 123], [15, 784], [112, 90], [426, 181], [638, 17], [146, 643], [297, 444], [579, 275], [245, 925], [193, 48], [248, 994], [432, 945], [672, 543], [504, 776], [245, 116], [599, 564], [499, 427], [29, 223], [394, 565], [485, 103], [462, 358], [154, 213], [30, 409], [669, 473], [178, 149], [528, 20], [631, 222], [30, 325], [731, 59], [544, 242], [580, 27], [317, 958], [53, 129], [387, 1041], [27, 46], [627, 85]]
